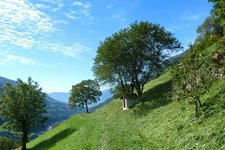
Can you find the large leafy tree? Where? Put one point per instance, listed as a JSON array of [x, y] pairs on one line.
[[84, 93], [219, 11], [22, 107], [192, 78], [131, 57]]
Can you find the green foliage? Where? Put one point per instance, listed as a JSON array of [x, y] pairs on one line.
[[7, 144], [133, 56], [22, 107], [221, 48], [209, 32], [116, 91], [192, 78], [221, 44], [219, 11], [84, 93], [218, 56]]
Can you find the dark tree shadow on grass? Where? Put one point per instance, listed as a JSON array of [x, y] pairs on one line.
[[155, 97], [48, 143]]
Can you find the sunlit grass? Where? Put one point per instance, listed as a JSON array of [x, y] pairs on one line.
[[156, 123]]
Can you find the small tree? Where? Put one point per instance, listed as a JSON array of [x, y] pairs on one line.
[[192, 78], [22, 107], [84, 93]]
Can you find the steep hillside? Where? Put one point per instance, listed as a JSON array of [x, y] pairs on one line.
[[158, 123]]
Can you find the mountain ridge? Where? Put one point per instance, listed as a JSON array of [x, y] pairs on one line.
[[64, 96]]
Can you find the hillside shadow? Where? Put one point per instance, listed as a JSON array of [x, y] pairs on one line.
[[48, 143], [156, 97]]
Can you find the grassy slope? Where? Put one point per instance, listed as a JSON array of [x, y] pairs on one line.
[[158, 123]]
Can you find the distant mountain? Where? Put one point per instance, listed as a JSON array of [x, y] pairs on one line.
[[177, 58], [64, 97], [60, 96], [3, 81], [57, 111], [106, 94], [99, 105]]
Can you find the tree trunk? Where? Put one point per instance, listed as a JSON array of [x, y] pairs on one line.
[[86, 103], [197, 107], [137, 87], [200, 104], [132, 86], [139, 92], [123, 87], [24, 136]]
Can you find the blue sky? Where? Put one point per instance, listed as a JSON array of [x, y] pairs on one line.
[[55, 41]]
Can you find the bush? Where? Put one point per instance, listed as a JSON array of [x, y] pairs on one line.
[[7, 144]]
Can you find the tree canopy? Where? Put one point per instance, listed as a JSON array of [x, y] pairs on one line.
[[84, 93], [22, 107], [219, 11], [131, 57], [209, 32]]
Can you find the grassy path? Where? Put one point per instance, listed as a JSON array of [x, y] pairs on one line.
[[157, 123], [88, 131], [117, 134]]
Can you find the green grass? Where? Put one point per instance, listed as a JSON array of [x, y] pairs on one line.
[[157, 123]]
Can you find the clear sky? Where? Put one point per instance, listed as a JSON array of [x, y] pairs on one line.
[[55, 41]]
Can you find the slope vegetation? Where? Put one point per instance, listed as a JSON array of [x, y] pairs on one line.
[[157, 123], [57, 111]]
